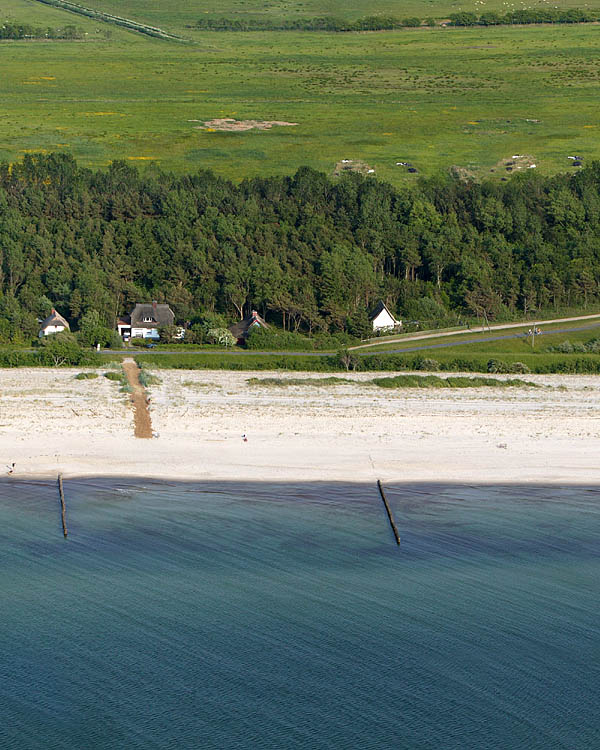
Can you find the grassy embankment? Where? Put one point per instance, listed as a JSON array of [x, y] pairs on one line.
[[436, 98], [466, 356]]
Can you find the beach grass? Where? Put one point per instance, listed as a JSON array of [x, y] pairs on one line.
[[434, 381], [398, 381], [288, 382]]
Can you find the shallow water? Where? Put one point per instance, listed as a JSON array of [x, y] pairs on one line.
[[284, 616]]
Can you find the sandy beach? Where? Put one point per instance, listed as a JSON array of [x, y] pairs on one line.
[[50, 422]]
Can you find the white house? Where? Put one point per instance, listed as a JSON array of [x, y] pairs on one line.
[[54, 323], [382, 319], [145, 320]]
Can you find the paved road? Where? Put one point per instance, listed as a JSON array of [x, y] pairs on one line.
[[474, 341], [423, 347], [499, 327]]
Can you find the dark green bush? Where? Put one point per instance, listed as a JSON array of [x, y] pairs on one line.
[[519, 368], [427, 364], [497, 366]]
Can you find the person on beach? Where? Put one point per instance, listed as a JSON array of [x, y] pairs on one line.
[[11, 468]]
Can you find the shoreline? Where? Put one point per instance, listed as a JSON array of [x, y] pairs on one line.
[[353, 433]]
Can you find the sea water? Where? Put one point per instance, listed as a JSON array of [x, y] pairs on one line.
[[285, 616]]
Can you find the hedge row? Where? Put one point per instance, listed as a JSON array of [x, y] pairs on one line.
[[41, 358], [541, 363]]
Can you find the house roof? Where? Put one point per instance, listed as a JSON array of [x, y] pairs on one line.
[[160, 315], [54, 319], [242, 329], [379, 308]]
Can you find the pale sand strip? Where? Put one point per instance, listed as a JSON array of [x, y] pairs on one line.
[[50, 422]]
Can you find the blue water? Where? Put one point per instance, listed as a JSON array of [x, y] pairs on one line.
[[279, 616]]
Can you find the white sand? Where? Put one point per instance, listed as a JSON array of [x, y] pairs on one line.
[[50, 422]]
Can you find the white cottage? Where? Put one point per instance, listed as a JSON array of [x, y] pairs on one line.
[[383, 320], [54, 323]]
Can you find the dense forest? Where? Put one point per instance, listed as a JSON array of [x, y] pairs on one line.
[[309, 252]]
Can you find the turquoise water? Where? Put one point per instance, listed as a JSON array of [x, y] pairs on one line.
[[279, 616]]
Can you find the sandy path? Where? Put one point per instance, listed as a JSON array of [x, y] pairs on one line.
[[141, 415]]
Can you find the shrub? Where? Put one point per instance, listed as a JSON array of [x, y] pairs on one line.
[[262, 338], [138, 342], [86, 376], [147, 379], [434, 381], [519, 368], [427, 364], [497, 366], [16, 358], [221, 336], [60, 350], [116, 377], [566, 347]]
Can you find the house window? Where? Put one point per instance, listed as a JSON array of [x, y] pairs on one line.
[[146, 319]]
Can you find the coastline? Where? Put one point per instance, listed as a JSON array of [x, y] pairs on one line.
[[51, 423]]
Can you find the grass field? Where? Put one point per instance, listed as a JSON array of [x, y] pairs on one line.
[[177, 16], [436, 98]]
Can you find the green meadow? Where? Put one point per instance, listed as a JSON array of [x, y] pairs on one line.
[[177, 16], [433, 97]]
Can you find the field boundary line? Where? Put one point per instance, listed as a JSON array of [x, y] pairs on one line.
[[99, 15]]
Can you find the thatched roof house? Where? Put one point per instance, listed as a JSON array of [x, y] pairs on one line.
[[54, 323], [145, 320], [242, 329]]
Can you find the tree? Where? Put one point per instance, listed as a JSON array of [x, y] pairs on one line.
[[60, 350], [169, 333], [222, 337], [348, 360], [359, 324], [92, 330]]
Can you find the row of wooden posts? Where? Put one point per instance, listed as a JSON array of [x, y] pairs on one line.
[[388, 510]]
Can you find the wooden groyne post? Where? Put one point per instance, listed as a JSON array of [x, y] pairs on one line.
[[63, 507], [388, 510]]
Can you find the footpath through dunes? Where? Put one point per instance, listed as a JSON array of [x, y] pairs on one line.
[[141, 415]]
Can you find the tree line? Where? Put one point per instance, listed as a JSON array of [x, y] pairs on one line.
[[524, 16], [10, 30], [312, 254], [318, 23], [386, 23]]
